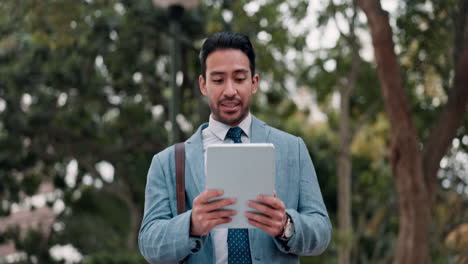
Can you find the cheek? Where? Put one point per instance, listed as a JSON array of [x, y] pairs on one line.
[[217, 93], [213, 96], [246, 94]]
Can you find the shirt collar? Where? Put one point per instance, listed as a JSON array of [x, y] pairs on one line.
[[220, 129]]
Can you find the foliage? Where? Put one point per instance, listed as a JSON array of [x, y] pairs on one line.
[[89, 81], [69, 82]]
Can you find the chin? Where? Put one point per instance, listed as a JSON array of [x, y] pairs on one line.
[[230, 120]]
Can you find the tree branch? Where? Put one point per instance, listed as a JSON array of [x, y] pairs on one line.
[[445, 128], [366, 116], [461, 30], [388, 68]]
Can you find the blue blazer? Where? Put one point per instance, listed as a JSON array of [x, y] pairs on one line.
[[164, 235]]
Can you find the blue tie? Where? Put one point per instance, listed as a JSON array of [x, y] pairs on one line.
[[234, 133], [238, 239]]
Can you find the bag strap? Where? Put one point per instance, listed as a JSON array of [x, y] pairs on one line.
[[180, 176], [180, 181]]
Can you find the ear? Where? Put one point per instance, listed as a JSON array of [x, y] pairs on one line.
[[255, 80], [202, 84]]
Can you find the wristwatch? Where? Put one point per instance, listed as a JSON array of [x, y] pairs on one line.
[[288, 229]]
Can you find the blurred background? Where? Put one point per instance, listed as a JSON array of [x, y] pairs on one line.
[[90, 90]]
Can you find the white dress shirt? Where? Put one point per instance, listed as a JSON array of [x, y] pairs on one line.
[[215, 133]]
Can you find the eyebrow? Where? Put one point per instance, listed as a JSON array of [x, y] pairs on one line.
[[217, 73], [221, 72], [241, 71]]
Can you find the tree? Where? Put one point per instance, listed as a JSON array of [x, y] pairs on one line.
[[414, 169], [78, 84], [86, 83], [344, 155]]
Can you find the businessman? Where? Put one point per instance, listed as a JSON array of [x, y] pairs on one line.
[[294, 221]]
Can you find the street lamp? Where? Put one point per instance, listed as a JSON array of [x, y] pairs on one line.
[[176, 10]]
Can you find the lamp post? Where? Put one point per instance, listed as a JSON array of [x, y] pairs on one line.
[[176, 9]]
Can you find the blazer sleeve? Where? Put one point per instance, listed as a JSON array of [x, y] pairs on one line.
[[164, 238], [311, 222]]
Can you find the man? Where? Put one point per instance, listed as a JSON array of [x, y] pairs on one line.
[[294, 221]]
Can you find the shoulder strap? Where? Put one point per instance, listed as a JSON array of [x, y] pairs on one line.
[[180, 176], [180, 181]]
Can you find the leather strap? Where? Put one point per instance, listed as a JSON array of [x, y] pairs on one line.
[[180, 181], [180, 177]]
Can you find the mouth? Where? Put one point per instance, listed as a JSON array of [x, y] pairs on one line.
[[230, 106]]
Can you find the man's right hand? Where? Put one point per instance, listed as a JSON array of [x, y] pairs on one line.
[[206, 215]]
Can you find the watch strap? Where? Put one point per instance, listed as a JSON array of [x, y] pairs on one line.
[[286, 235]]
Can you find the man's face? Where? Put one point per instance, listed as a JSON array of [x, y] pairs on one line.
[[229, 85]]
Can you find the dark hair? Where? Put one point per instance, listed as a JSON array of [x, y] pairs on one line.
[[227, 40]]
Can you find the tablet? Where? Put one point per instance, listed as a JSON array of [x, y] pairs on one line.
[[243, 171]]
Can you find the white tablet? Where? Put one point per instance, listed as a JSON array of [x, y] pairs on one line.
[[243, 171]]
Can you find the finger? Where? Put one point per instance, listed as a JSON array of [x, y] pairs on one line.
[[267, 221], [263, 227], [220, 221], [272, 201], [209, 225], [267, 210], [262, 208], [260, 218], [206, 195], [218, 204], [220, 214]]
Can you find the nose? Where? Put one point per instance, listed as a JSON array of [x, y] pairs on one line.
[[230, 89]]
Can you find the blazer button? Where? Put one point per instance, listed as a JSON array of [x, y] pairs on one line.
[[197, 246]]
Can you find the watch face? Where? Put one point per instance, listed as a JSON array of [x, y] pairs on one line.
[[288, 229]]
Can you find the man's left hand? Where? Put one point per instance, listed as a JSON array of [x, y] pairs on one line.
[[274, 218]]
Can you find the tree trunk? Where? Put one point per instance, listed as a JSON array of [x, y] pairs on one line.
[[406, 158], [123, 191], [344, 156], [135, 212], [344, 180], [135, 220], [135, 216]]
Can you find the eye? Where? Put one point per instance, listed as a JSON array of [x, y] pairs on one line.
[[218, 81], [240, 79]]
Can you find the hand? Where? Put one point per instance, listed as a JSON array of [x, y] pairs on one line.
[[274, 218], [206, 215]]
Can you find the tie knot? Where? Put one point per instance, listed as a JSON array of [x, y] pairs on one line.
[[234, 133]]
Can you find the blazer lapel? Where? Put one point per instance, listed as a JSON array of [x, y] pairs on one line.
[[260, 134], [195, 159], [258, 131]]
